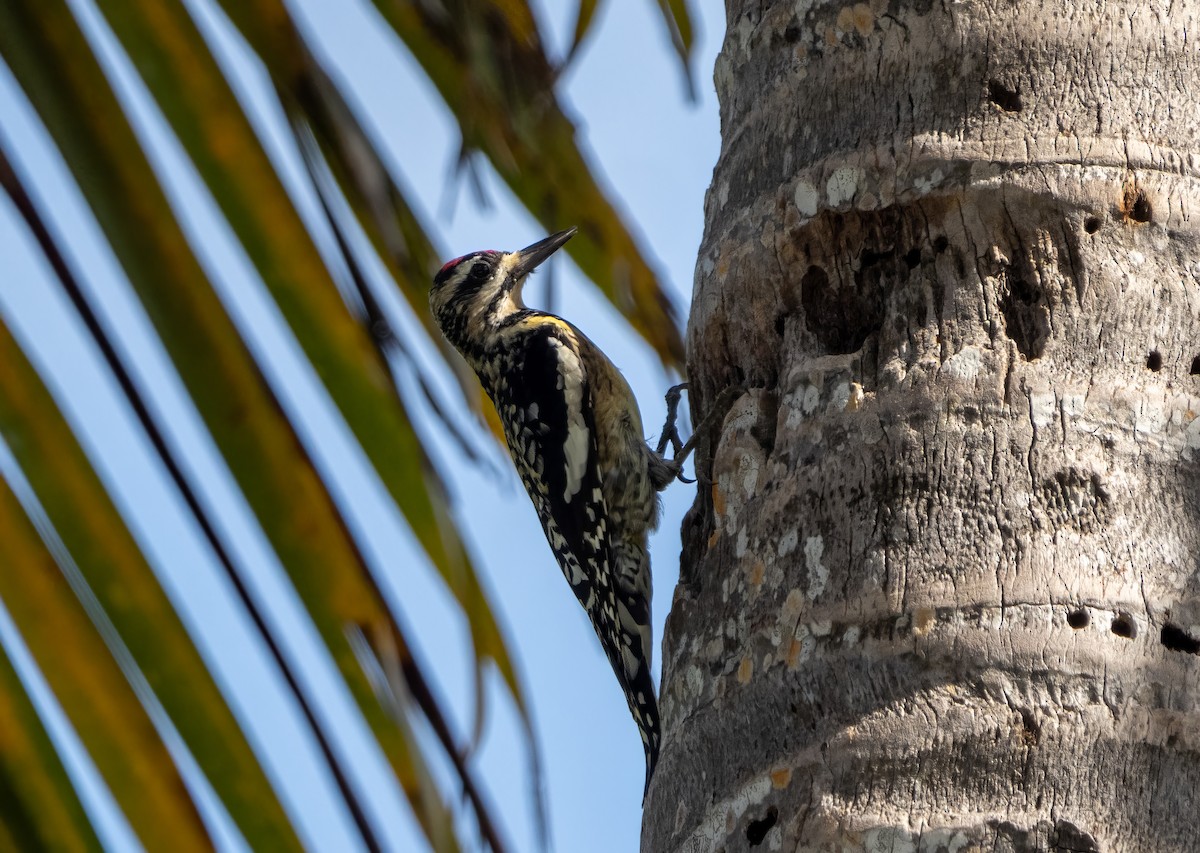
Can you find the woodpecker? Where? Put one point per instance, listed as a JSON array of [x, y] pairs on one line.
[[575, 434]]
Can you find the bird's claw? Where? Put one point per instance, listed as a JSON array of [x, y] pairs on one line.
[[680, 450], [670, 434]]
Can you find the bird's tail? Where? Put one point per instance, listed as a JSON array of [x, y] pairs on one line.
[[644, 708]]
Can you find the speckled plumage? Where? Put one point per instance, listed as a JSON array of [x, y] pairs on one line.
[[575, 435]]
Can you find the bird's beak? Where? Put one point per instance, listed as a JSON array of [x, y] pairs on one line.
[[529, 258]]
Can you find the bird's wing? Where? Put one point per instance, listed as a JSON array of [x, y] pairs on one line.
[[547, 408]]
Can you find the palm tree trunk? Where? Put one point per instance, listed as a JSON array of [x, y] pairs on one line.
[[944, 590]]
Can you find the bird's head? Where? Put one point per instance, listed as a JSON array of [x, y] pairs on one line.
[[480, 289]]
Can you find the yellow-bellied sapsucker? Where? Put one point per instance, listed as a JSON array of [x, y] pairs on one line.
[[575, 434]]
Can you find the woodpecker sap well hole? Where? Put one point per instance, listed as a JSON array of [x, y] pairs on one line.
[[756, 830], [1005, 98], [1124, 626], [1140, 212], [1031, 732], [1078, 619], [1026, 314], [1092, 224], [1176, 639], [1154, 360], [841, 314], [1135, 205]]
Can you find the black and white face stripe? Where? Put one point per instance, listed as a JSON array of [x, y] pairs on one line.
[[477, 290], [466, 293], [473, 268]]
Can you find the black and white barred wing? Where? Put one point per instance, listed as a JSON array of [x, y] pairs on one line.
[[546, 408]]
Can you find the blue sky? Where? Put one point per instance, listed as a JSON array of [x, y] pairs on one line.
[[654, 151]]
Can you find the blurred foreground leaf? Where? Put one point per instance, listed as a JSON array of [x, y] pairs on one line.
[[41, 44], [487, 59], [78, 660], [169, 52], [499, 83], [39, 809]]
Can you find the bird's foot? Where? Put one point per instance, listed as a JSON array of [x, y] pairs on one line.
[[680, 450]]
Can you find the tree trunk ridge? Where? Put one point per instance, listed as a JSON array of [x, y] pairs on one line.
[[944, 590]]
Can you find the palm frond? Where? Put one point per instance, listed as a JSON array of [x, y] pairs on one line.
[[86, 599]]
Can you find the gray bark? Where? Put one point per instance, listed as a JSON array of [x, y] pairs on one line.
[[944, 590]]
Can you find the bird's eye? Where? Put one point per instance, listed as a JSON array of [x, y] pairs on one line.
[[479, 270]]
